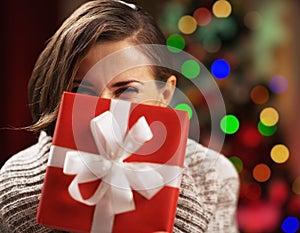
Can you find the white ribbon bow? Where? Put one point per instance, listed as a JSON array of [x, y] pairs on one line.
[[118, 178]]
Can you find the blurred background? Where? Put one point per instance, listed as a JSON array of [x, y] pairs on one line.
[[251, 48]]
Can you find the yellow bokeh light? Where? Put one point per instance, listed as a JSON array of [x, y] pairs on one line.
[[261, 172], [269, 116], [296, 186], [221, 9], [280, 153], [187, 24]]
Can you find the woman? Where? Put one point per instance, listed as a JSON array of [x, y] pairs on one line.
[[207, 200]]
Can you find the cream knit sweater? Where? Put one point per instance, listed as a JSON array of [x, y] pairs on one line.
[[207, 200]]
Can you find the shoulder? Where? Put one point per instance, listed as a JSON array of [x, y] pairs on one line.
[[204, 159], [217, 182], [21, 179], [204, 163], [26, 160]]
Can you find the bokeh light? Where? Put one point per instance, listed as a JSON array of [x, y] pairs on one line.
[[220, 69], [229, 124], [233, 58], [217, 40], [261, 172], [266, 130], [259, 94], [237, 162], [293, 205], [250, 136], [278, 84], [190, 69], [175, 43], [222, 9], [269, 116], [253, 20], [258, 217], [296, 186], [252, 191], [226, 28], [278, 191], [280, 153], [187, 24], [171, 13], [185, 107], [212, 45], [203, 16], [195, 96], [290, 225], [196, 50]]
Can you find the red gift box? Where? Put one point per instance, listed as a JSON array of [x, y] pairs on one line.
[[114, 166]]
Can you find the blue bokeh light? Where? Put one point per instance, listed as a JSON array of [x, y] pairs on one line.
[[220, 69], [290, 225]]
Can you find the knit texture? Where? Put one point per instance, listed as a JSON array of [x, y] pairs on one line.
[[207, 200]]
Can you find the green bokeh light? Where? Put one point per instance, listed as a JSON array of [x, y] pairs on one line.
[[185, 107], [190, 69], [266, 130], [237, 162], [175, 43], [229, 124]]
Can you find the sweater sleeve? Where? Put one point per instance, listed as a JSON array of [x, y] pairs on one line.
[[208, 193], [194, 208], [224, 218], [198, 193], [3, 227]]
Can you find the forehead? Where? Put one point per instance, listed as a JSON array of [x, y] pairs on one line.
[[114, 60], [117, 54]]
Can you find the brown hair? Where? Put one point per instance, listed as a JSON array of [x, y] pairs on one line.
[[98, 20]]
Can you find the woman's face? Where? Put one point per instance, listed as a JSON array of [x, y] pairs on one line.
[[113, 76]]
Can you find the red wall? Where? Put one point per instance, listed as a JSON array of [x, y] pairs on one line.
[[26, 25]]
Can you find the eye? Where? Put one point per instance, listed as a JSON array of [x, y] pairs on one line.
[[126, 92], [84, 90]]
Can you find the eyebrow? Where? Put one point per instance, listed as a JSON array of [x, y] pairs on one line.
[[124, 83]]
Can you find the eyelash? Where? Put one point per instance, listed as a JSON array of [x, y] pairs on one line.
[[123, 92], [126, 90]]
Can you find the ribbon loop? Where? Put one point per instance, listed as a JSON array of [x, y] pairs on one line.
[[136, 137], [145, 179]]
